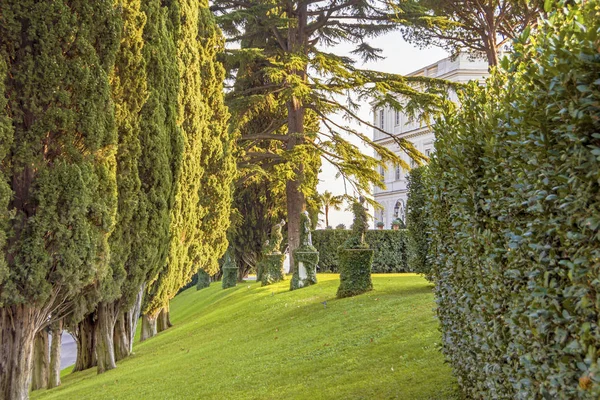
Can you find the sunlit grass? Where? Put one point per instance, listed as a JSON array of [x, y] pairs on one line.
[[252, 342]]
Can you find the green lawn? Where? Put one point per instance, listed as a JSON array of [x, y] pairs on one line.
[[252, 342]]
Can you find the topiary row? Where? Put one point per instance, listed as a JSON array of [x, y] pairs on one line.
[[515, 217], [389, 249]]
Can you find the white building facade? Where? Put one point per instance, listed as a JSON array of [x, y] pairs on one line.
[[393, 197]]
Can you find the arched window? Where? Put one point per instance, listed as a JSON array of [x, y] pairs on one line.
[[400, 210]]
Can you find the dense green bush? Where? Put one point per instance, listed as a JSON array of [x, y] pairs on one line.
[[230, 271], [389, 247], [355, 272], [516, 210], [203, 279], [272, 269], [355, 257], [416, 219]]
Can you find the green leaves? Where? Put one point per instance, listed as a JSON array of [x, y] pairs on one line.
[[389, 248], [514, 243]]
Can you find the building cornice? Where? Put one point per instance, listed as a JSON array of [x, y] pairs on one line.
[[405, 135]]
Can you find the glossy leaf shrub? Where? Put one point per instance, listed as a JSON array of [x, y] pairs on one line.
[[515, 218]]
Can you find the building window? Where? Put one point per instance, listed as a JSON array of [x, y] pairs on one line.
[[398, 172], [413, 163], [381, 120], [399, 211], [428, 152], [382, 172], [397, 117]]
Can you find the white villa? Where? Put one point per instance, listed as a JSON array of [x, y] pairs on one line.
[[393, 198]]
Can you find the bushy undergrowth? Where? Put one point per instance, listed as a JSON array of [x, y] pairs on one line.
[[389, 248], [516, 219]]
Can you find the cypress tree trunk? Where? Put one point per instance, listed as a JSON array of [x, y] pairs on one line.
[[57, 330], [125, 326], [121, 337], [41, 360], [164, 320], [133, 316], [105, 350], [85, 336], [17, 332], [148, 327]]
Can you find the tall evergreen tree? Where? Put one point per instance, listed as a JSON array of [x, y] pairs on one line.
[[259, 198], [127, 244], [306, 78], [59, 207], [200, 213], [162, 147]]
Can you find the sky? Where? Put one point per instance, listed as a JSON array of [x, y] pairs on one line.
[[400, 58]]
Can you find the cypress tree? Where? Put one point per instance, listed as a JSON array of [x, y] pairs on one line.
[[59, 207], [200, 212], [127, 244], [417, 222], [159, 163]]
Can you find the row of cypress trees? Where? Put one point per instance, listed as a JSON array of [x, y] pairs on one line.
[[115, 171]]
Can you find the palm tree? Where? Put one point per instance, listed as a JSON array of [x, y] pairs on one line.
[[328, 200]]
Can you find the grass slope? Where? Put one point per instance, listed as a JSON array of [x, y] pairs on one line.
[[252, 342]]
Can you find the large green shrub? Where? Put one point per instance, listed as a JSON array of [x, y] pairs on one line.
[[355, 257], [516, 204], [355, 272], [389, 249], [416, 219], [272, 269]]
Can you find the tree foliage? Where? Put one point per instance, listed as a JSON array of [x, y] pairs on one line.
[[301, 74], [482, 28], [60, 166], [200, 213], [417, 222], [515, 218], [329, 201]]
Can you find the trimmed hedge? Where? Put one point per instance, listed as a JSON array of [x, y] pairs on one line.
[[389, 249], [516, 210]]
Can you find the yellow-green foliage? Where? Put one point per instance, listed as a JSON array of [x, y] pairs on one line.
[[61, 163], [515, 218], [128, 84], [217, 148], [160, 157], [200, 212], [252, 342]]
